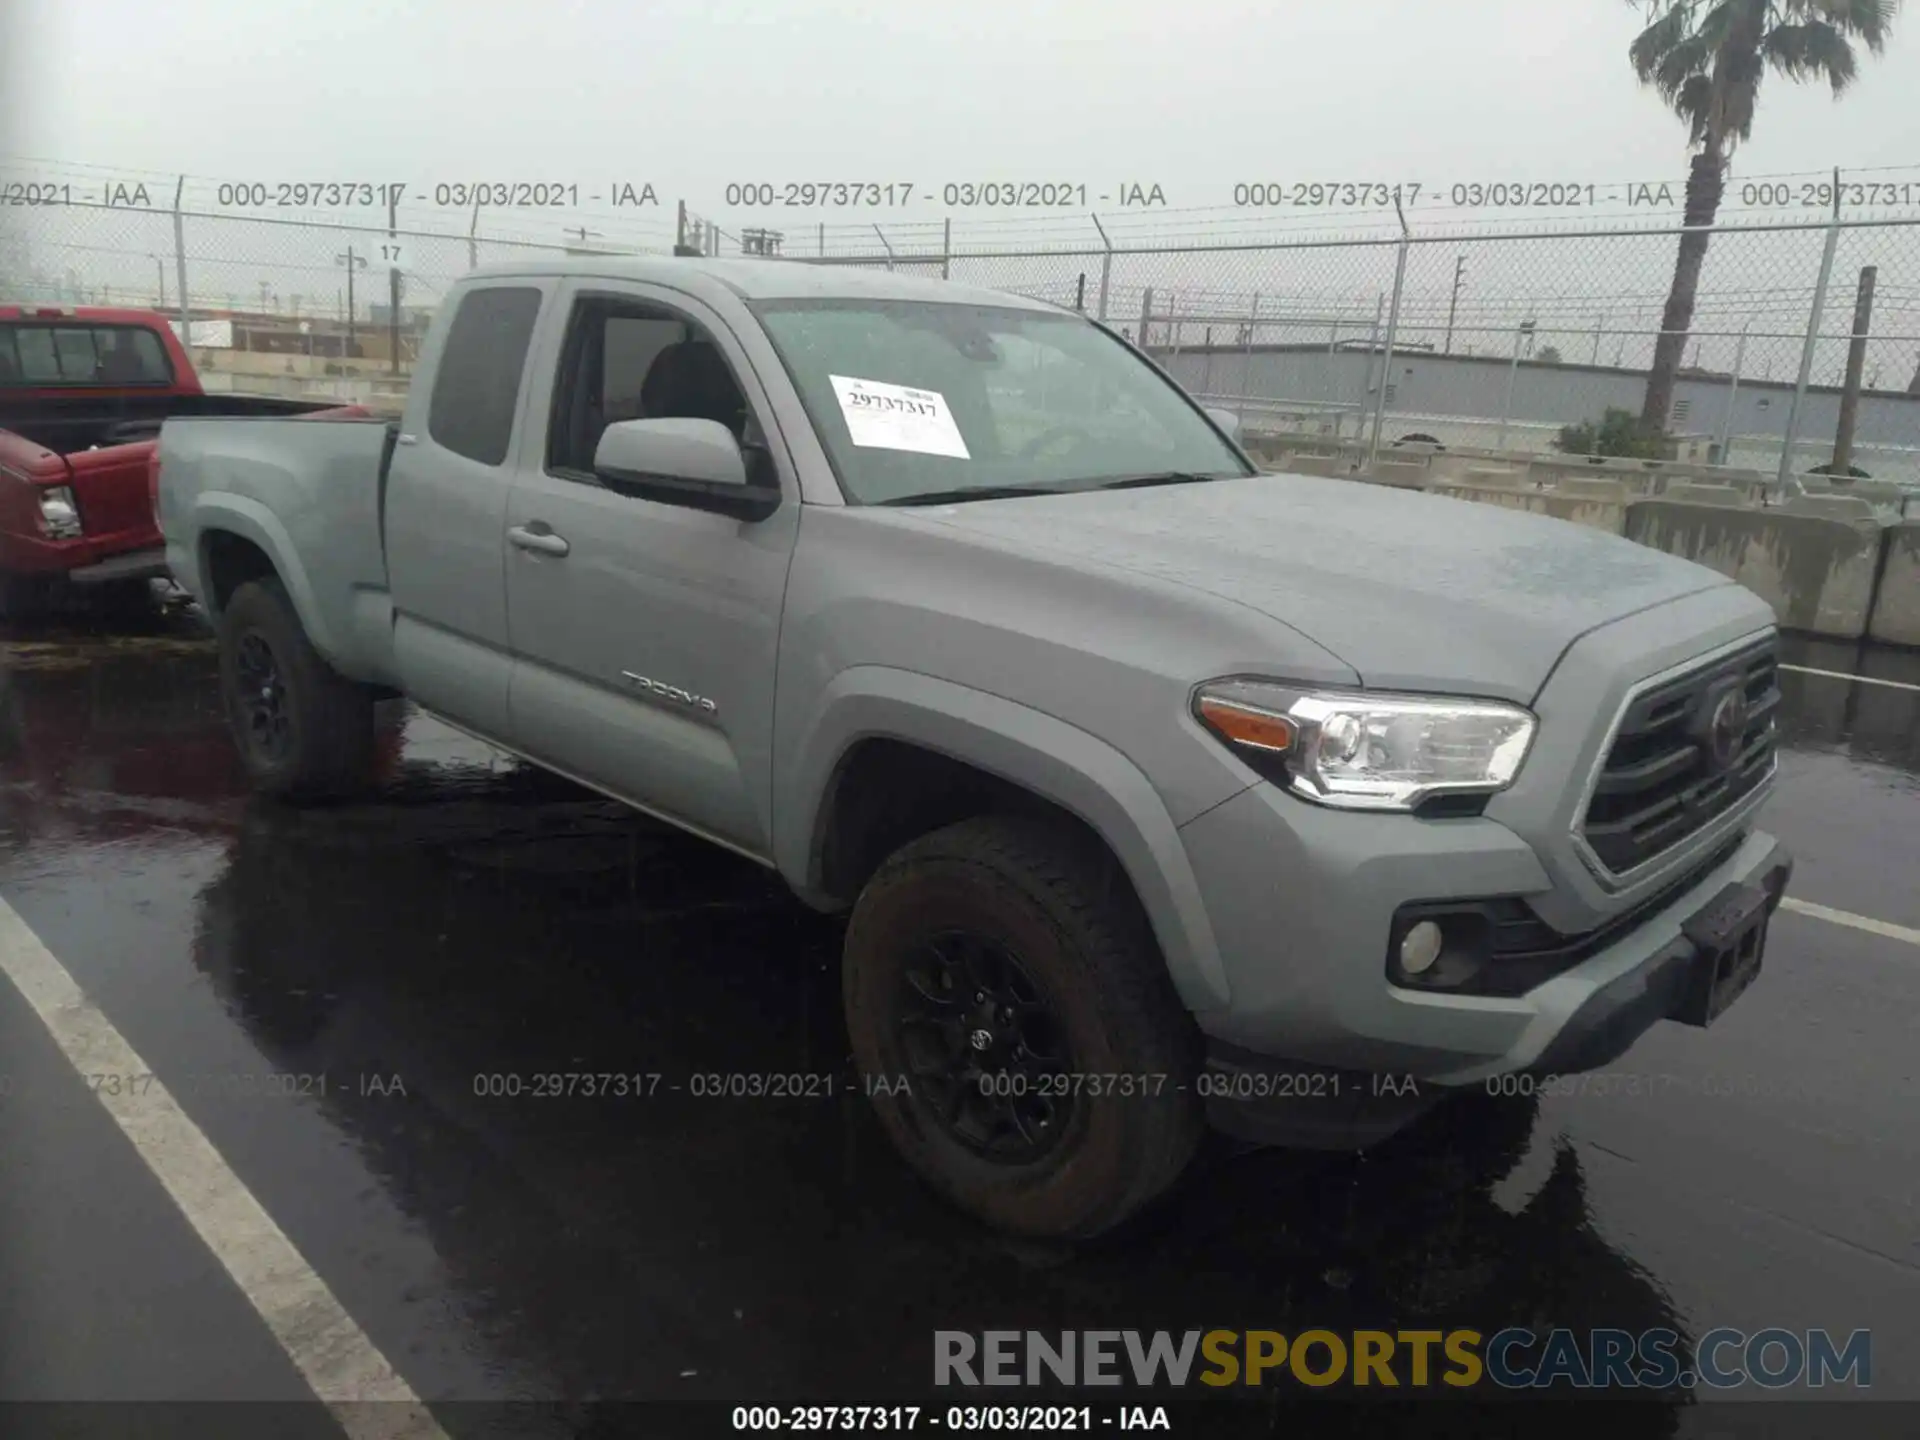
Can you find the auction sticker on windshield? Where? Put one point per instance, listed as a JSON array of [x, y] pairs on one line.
[[897, 417]]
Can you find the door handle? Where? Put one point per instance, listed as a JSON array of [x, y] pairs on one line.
[[541, 540]]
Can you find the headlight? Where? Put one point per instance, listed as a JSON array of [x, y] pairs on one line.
[[59, 516], [1368, 752]]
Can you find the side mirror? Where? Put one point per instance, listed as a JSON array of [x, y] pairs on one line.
[[1227, 421], [696, 463]]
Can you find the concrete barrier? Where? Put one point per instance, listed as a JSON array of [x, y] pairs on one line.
[[1750, 485], [1496, 477], [1335, 466], [1896, 611], [1716, 475], [1588, 487], [1697, 492], [1878, 492], [1817, 573], [1404, 474], [1510, 497], [1887, 497], [1457, 465], [1584, 500], [1400, 477], [1596, 504], [1850, 508]]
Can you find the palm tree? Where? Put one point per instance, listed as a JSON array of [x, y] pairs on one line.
[[1707, 59]]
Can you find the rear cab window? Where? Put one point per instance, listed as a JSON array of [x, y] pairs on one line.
[[80, 353], [476, 390]]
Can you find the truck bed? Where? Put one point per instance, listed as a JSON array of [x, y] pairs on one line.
[[320, 487], [73, 423]]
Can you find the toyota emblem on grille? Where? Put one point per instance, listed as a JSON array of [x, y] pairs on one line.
[[1727, 729]]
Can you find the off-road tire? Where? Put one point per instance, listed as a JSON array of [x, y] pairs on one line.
[[331, 751], [1054, 897]]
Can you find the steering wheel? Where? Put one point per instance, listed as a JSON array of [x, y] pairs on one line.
[[1053, 432]]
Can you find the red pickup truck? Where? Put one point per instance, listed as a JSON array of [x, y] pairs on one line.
[[82, 393]]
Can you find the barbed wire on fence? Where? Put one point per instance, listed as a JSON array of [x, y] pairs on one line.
[[1498, 330], [569, 206]]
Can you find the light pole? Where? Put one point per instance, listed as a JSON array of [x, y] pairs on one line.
[[1525, 332], [161, 270], [1725, 438]]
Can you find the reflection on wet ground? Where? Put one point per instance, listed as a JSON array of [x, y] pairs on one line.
[[337, 996]]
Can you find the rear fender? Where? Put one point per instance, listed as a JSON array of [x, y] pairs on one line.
[[215, 511]]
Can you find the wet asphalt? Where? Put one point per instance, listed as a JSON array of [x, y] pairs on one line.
[[326, 992]]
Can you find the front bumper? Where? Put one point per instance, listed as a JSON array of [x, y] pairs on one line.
[[1268, 1101], [1661, 988], [147, 564], [85, 556], [1302, 901]]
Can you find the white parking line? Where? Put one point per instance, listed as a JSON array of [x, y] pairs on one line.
[[1843, 675], [340, 1363], [1852, 921]]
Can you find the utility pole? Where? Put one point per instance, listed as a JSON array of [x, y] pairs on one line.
[[1459, 277], [683, 242], [392, 258], [1524, 333], [353, 262], [180, 262], [1840, 472], [1599, 329]]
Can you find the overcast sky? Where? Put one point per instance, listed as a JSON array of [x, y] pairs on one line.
[[692, 94]]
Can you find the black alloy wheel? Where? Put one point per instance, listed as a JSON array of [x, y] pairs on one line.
[[979, 1032], [268, 722]]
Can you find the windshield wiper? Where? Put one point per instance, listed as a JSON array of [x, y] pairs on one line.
[[1164, 477], [1013, 492], [974, 492]]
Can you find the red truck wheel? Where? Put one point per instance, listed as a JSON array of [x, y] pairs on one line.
[[304, 731]]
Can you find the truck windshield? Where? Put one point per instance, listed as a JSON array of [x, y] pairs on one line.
[[922, 399]]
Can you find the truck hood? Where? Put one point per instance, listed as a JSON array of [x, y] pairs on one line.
[[1412, 591]]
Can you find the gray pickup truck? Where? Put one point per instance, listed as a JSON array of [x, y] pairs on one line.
[[1160, 791]]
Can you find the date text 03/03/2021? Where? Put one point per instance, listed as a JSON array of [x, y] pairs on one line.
[[907, 1419]]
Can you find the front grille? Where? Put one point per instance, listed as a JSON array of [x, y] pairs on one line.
[[1669, 774]]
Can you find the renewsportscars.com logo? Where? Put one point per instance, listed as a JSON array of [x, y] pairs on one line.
[[1513, 1358]]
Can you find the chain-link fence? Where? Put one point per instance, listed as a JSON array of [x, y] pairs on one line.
[[1505, 338]]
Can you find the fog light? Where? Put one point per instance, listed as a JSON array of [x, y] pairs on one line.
[[1420, 948]]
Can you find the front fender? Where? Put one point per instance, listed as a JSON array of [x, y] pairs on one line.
[[1070, 767], [216, 510]]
